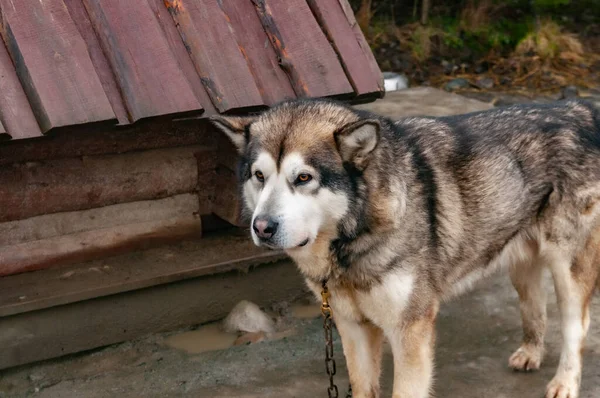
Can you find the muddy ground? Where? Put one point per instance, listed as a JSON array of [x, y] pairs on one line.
[[476, 334]]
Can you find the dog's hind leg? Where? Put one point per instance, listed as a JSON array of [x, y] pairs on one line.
[[574, 287], [527, 280], [362, 344]]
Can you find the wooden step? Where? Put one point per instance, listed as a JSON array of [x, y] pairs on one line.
[[217, 252], [54, 312]]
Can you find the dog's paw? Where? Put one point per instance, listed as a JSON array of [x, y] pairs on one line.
[[562, 388], [526, 359]]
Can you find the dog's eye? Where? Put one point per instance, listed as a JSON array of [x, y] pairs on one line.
[[303, 178], [259, 176]]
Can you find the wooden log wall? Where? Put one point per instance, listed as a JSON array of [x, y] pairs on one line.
[[63, 211]]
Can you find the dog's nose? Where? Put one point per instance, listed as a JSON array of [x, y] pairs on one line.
[[265, 227]]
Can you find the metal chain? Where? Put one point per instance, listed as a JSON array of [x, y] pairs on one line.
[[332, 390]]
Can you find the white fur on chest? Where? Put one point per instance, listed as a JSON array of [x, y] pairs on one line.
[[391, 296]]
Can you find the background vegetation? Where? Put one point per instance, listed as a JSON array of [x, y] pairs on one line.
[[539, 45]]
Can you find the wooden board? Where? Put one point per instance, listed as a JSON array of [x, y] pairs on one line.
[[98, 243], [272, 82], [48, 226], [209, 38], [16, 114], [357, 60], [181, 54], [144, 135], [36, 188], [227, 203], [103, 69], [61, 330], [53, 64], [219, 252], [149, 77], [305, 53]]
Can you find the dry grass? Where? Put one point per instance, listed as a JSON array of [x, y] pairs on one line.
[[549, 42]]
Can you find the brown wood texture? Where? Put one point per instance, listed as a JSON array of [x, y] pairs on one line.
[[101, 64], [65, 329], [53, 64], [16, 114], [210, 41], [305, 53], [181, 54], [144, 135], [149, 77], [357, 60], [272, 82], [216, 252], [99, 243], [50, 226], [362, 41], [227, 204], [35, 188]]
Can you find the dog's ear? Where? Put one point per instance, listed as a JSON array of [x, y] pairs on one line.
[[357, 140], [236, 128]]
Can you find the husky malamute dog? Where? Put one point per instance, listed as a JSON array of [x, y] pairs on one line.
[[400, 216]]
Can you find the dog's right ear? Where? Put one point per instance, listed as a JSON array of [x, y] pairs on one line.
[[236, 128]]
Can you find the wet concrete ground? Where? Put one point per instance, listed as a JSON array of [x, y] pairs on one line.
[[477, 333]]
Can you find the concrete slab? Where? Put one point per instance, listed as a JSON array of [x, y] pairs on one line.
[[424, 101], [477, 333]]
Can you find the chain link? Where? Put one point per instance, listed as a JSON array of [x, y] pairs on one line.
[[332, 390]]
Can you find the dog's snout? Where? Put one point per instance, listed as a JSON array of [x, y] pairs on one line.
[[265, 227]]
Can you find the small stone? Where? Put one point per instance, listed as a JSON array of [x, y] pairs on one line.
[[456, 84], [485, 83], [570, 92], [248, 317], [449, 67], [35, 377], [505, 80]]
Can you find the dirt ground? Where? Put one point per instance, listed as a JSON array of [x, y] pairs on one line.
[[476, 334]]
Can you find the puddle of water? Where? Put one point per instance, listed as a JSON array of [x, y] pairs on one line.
[[206, 338], [306, 311]]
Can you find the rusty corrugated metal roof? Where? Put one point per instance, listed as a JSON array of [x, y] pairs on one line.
[[76, 62]]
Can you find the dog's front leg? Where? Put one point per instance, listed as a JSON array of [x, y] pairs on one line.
[[362, 343], [413, 348]]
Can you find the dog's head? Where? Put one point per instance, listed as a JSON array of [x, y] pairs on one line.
[[298, 165]]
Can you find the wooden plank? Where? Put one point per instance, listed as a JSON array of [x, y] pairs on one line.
[[15, 111], [181, 54], [218, 252], [35, 188], [66, 329], [362, 41], [55, 225], [227, 203], [103, 69], [357, 60], [149, 77], [144, 135], [272, 82], [209, 38], [98, 243], [53, 64], [306, 54]]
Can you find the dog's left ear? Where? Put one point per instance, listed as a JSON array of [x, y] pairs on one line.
[[357, 140], [236, 128]]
